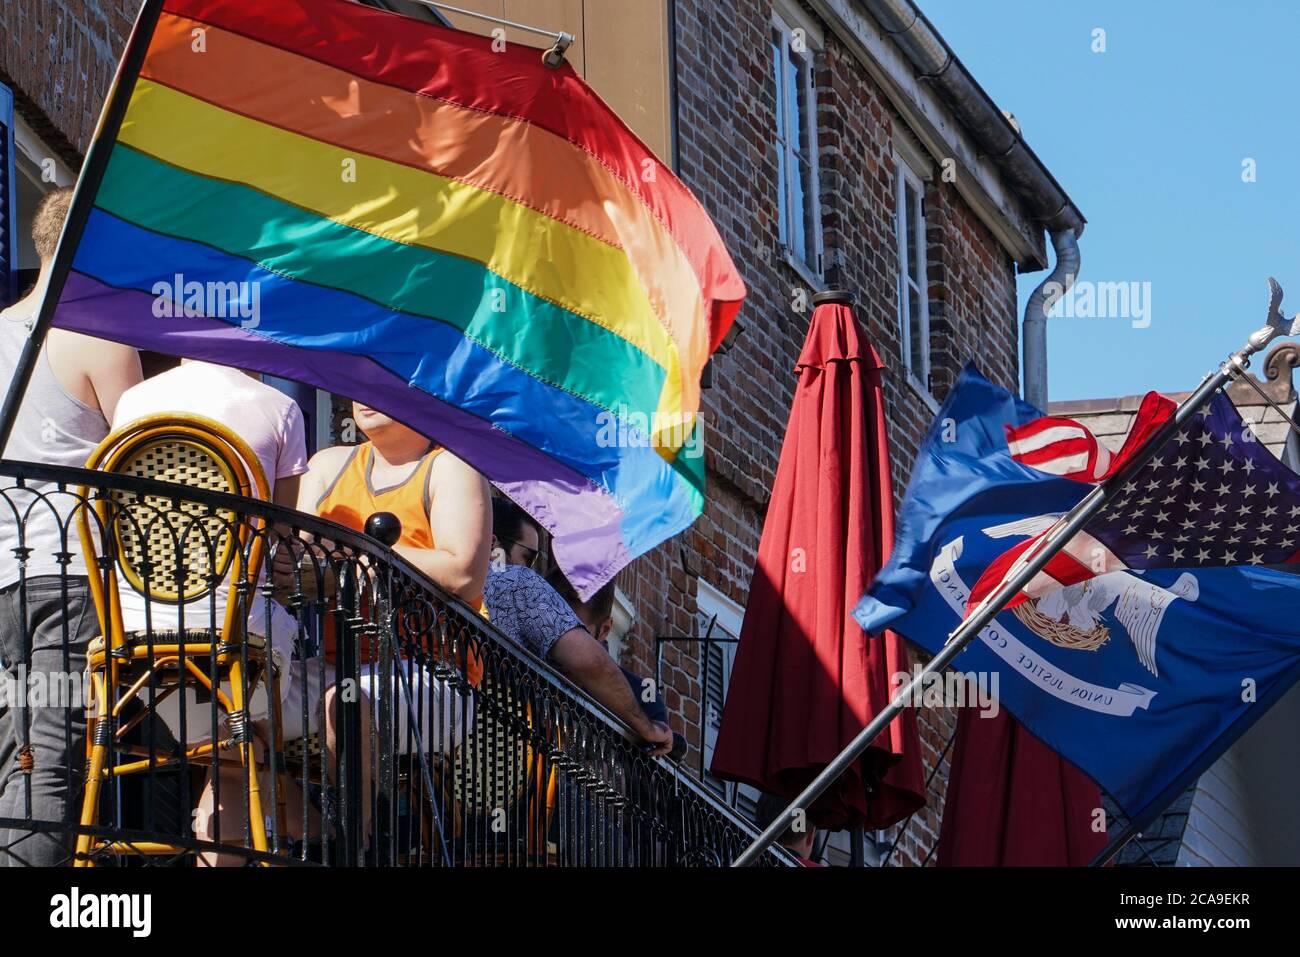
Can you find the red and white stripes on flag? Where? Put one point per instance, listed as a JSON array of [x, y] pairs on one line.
[[1059, 447], [1083, 557], [1063, 447]]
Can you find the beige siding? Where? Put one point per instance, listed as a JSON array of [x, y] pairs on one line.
[[620, 47], [1220, 826]]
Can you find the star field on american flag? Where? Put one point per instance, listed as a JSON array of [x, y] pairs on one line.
[[1214, 495]]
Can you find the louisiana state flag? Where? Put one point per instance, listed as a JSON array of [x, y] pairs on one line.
[[459, 236], [1141, 677]]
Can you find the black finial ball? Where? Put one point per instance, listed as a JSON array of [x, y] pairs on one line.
[[385, 527]]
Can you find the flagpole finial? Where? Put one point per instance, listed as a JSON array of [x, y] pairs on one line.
[[1277, 324]]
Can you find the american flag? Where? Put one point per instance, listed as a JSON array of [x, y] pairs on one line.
[[1214, 495]]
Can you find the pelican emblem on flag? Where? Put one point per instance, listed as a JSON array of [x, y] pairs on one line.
[[1071, 617]]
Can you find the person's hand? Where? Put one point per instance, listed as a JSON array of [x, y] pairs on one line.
[[297, 558], [661, 736], [287, 554], [285, 561]]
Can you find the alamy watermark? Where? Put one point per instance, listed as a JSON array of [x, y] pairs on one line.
[[179, 297], [76, 910], [1100, 300], [42, 689], [949, 689], [625, 428]]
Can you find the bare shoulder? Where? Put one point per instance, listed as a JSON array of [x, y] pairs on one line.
[[331, 459], [447, 465], [94, 353], [94, 371]]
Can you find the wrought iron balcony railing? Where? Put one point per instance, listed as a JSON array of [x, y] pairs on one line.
[[382, 723]]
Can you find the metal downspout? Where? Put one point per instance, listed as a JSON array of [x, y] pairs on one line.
[[1034, 345]]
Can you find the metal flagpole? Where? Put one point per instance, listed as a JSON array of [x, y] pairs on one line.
[[553, 57], [1112, 849], [92, 174], [1054, 540]]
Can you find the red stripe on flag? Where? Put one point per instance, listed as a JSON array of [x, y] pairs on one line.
[[1067, 570], [1058, 450], [1053, 454], [1064, 567], [996, 572], [1151, 414]]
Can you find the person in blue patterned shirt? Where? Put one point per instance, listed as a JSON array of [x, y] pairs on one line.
[[531, 613]]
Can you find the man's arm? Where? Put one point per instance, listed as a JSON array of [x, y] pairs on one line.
[[582, 659], [321, 470], [461, 521], [309, 488], [287, 491], [96, 371], [291, 461]]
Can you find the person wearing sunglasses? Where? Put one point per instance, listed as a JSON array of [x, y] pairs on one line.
[[515, 539], [529, 611]]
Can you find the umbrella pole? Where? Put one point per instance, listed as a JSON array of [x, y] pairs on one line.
[[1053, 541], [857, 851]]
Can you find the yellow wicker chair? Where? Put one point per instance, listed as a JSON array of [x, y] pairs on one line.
[[183, 548]]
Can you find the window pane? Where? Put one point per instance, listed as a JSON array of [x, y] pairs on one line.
[[796, 164], [805, 97], [904, 324], [797, 219], [783, 213], [806, 213], [909, 214], [918, 332], [797, 126]]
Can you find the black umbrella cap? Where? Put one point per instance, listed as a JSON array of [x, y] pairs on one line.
[[841, 296]]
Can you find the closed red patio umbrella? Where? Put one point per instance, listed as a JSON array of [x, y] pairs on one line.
[[806, 679], [1014, 802]]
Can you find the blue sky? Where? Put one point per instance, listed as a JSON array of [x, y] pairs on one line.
[[1149, 138]]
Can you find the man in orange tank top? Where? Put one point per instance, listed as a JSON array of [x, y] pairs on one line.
[[442, 504]]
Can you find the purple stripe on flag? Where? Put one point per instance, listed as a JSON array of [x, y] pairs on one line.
[[591, 552]]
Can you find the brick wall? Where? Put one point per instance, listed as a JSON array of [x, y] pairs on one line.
[[61, 54], [726, 115]]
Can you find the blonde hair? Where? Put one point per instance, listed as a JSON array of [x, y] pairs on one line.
[[47, 224]]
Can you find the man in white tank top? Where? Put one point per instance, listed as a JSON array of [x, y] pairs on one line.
[[65, 411]]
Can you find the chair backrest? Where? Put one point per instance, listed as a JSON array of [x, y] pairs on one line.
[[170, 550], [492, 764]]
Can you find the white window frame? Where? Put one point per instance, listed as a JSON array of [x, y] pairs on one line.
[[785, 20], [918, 378], [33, 149], [709, 601], [30, 153], [324, 419], [624, 614]]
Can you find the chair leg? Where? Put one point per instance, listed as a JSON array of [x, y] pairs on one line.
[[257, 822], [278, 767], [94, 767]]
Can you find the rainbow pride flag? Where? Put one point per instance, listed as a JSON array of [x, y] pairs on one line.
[[460, 237]]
